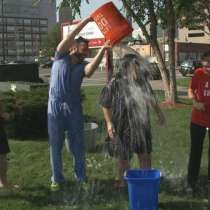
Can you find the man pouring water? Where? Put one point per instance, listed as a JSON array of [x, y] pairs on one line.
[[64, 104]]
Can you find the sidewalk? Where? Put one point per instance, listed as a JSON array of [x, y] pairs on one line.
[[158, 85]]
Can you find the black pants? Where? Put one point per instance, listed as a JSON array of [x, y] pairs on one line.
[[197, 133]]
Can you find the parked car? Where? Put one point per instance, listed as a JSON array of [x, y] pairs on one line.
[[46, 64], [189, 66]]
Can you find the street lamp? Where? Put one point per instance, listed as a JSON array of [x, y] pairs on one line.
[[2, 16]]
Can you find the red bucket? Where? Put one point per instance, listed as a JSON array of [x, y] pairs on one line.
[[111, 23]]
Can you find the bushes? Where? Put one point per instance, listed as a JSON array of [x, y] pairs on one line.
[[28, 111]]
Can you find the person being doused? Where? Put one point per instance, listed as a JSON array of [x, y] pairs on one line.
[[125, 102]]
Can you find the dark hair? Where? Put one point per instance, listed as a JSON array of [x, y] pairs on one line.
[[126, 61], [205, 55], [80, 39], [132, 62]]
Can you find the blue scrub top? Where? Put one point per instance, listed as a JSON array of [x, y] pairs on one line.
[[65, 82]]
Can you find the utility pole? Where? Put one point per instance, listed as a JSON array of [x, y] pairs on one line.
[[2, 16]]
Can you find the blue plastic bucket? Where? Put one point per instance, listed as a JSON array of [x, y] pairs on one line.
[[143, 188]]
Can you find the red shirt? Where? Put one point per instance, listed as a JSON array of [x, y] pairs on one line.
[[200, 84]]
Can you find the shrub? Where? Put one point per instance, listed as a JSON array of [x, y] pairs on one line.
[[29, 113]]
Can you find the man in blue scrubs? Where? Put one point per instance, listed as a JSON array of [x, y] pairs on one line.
[[64, 104]]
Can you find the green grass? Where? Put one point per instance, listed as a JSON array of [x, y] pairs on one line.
[[29, 166], [184, 82]]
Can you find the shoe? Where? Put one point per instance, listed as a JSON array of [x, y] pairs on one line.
[[55, 186]]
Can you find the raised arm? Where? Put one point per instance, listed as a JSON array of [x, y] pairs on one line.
[[91, 67], [67, 43]]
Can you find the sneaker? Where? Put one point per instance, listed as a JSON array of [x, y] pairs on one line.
[[55, 186]]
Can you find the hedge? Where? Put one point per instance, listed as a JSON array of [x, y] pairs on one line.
[[28, 111]]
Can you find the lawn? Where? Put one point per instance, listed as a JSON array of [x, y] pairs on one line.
[[184, 82], [29, 167]]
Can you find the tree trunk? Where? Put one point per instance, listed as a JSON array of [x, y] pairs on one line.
[[152, 39], [171, 26], [163, 69]]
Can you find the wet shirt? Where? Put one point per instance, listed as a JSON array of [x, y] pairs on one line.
[[65, 81], [200, 84], [123, 112]]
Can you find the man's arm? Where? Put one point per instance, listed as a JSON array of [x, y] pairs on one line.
[[66, 43], [109, 125], [196, 104], [91, 67]]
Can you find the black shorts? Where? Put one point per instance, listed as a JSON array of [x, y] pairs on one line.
[[4, 146]]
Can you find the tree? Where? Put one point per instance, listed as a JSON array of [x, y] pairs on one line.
[[50, 43], [147, 13], [196, 13]]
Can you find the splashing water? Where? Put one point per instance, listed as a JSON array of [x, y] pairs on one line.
[[134, 96]]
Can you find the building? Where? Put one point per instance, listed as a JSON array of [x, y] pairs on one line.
[[191, 43], [23, 26]]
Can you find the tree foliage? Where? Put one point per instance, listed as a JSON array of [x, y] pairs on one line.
[[51, 41]]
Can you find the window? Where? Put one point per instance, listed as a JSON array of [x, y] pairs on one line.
[[19, 21], [19, 43], [27, 29], [20, 50], [10, 28], [10, 20], [11, 52], [28, 44], [35, 22], [35, 29], [27, 36], [43, 30], [35, 36], [196, 35], [43, 22], [11, 36], [28, 50], [27, 22]]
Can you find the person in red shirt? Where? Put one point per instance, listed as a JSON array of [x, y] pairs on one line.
[[199, 92]]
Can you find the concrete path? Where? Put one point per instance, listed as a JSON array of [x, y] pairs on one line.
[[99, 79]]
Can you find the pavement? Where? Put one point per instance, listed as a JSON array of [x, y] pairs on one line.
[[99, 79]]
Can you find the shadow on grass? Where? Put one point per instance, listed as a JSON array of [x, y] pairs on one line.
[[183, 205], [75, 194], [178, 187]]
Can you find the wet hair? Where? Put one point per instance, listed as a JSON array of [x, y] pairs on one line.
[[206, 55], [130, 64], [80, 39]]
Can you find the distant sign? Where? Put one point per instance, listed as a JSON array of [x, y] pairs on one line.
[[91, 32]]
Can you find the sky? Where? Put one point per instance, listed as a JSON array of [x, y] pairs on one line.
[[87, 9]]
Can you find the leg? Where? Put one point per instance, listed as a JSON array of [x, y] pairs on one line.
[[56, 141], [197, 137], [209, 158], [3, 171], [145, 161], [75, 132], [122, 165]]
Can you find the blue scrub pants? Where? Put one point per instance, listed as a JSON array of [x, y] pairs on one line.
[[70, 120]]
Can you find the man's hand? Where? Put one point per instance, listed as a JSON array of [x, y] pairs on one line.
[[199, 105], [110, 130], [91, 67], [107, 45]]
